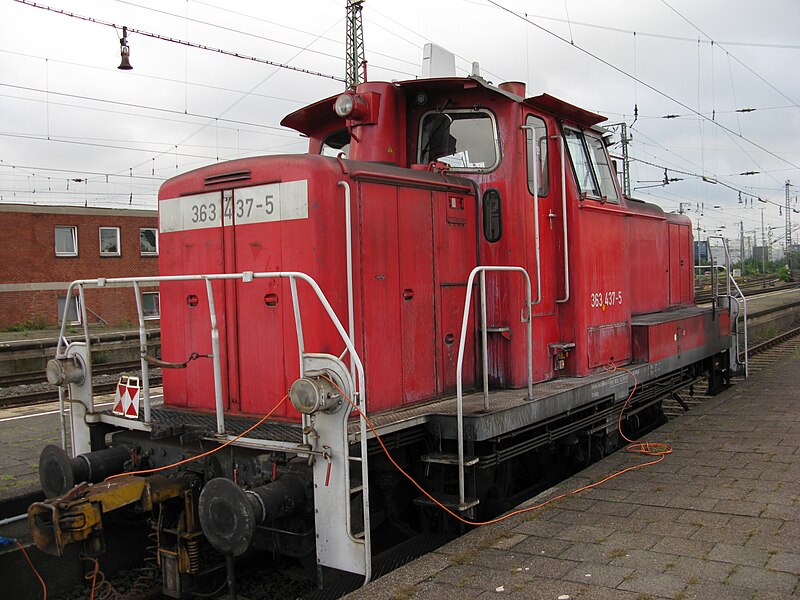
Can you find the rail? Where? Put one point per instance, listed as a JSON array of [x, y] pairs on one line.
[[526, 317]]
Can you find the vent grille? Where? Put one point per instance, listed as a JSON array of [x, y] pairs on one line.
[[227, 178]]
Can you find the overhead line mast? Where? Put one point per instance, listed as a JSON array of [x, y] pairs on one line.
[[355, 44]]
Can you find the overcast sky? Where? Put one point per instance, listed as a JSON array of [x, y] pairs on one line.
[[67, 112]]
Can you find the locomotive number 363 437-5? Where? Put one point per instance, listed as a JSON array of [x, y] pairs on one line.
[[601, 299], [284, 201]]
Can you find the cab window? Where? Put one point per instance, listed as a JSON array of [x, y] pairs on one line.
[[590, 164], [464, 139], [536, 142]]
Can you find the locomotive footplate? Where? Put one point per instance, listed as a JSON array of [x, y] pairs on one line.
[[510, 410], [190, 426]]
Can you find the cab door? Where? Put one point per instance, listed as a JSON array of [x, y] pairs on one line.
[[544, 248]]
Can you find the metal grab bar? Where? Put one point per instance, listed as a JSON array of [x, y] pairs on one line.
[[460, 363], [535, 169], [740, 298], [561, 144]]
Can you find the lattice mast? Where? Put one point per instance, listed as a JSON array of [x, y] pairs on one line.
[[788, 211], [355, 44]]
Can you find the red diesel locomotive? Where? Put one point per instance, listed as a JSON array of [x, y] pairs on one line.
[[451, 268]]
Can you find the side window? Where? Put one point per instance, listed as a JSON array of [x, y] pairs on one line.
[[109, 241], [590, 164], [536, 136], [148, 241], [464, 139], [580, 163], [66, 241], [599, 158]]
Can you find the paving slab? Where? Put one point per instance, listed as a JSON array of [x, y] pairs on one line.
[[718, 518]]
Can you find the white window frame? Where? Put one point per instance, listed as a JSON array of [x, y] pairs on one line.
[[155, 232], [157, 315], [116, 252], [74, 231]]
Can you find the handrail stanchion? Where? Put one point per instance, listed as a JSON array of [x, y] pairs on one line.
[[743, 302], [215, 351], [460, 361], [89, 380], [143, 353], [564, 218], [484, 344], [298, 325]]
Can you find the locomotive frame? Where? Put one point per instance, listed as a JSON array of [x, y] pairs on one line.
[[448, 182]]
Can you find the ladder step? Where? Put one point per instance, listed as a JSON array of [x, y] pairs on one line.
[[448, 500], [356, 489], [359, 535], [444, 458]]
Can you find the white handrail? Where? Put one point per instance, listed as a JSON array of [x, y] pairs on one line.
[[246, 276], [537, 243], [460, 362], [564, 218], [741, 298]]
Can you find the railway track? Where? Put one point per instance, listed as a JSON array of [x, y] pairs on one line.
[[749, 288], [22, 389]]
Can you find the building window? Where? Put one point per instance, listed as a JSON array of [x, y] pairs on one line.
[[151, 305], [148, 241], [73, 312], [109, 241], [66, 241]]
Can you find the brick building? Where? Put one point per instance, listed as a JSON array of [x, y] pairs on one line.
[[44, 248]]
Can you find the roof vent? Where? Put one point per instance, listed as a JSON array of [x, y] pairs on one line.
[[513, 87]]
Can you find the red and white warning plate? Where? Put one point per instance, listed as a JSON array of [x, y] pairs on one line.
[[126, 397]]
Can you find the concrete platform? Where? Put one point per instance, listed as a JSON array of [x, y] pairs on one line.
[[718, 518]]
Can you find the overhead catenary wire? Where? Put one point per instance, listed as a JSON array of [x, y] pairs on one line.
[[265, 38], [649, 86], [172, 40], [729, 54]]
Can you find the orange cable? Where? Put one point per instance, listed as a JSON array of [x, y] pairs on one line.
[[94, 576], [35, 572], [660, 455], [204, 454], [647, 448]]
